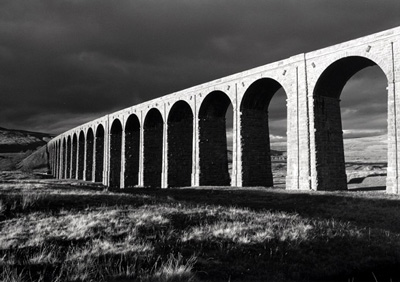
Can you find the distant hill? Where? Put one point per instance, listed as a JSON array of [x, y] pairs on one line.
[[16, 145], [366, 149], [14, 141]]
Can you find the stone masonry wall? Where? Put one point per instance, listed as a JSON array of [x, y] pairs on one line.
[[115, 159], [89, 158], [74, 158], [63, 160], [99, 155], [152, 151], [330, 163], [68, 158], [213, 152], [256, 155], [81, 157], [180, 153], [132, 149]]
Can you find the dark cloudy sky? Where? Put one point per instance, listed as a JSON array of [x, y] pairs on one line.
[[63, 63]]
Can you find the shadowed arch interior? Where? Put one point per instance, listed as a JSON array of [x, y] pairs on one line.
[[74, 156], [330, 161], [153, 147], [180, 142], [68, 158], [81, 154], [115, 154], [52, 152], [132, 150], [54, 157], [89, 155], [254, 127], [99, 154], [58, 172], [212, 140], [64, 158]]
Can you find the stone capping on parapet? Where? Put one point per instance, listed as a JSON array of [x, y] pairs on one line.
[[353, 43]]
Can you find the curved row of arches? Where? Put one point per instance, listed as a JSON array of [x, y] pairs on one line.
[[136, 154], [80, 156], [190, 143]]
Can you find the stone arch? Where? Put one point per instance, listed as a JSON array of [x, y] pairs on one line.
[[74, 152], [99, 154], [212, 140], [153, 148], [81, 155], [115, 153], [89, 155], [180, 143], [254, 130], [132, 151], [329, 149]]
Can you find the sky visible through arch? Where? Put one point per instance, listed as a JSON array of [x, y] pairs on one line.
[[63, 63]]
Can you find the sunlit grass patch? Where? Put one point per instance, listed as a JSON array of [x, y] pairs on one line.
[[175, 269], [249, 227]]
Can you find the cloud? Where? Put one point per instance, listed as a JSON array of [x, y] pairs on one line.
[[73, 59], [357, 133]]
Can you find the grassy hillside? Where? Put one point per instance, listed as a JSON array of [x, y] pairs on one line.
[[14, 141], [367, 149], [16, 145], [38, 160]]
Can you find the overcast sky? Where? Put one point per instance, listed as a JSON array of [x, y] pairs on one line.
[[63, 63]]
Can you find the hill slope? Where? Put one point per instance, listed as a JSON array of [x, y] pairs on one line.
[[35, 161], [16, 145], [366, 149], [13, 141]]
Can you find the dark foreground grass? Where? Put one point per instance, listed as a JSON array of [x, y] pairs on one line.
[[52, 231]]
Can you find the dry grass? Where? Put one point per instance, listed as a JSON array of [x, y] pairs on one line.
[[51, 231]]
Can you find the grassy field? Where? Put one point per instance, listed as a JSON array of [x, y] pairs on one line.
[[61, 231]]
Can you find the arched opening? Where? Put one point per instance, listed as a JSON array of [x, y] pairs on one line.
[[81, 154], [255, 132], [74, 156], [99, 154], [153, 147], [132, 150], [180, 142], [340, 77], [89, 155], [213, 149], [115, 154], [67, 158]]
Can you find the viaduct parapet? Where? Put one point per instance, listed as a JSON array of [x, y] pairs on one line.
[[180, 139]]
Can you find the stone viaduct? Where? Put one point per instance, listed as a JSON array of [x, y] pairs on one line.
[[180, 139]]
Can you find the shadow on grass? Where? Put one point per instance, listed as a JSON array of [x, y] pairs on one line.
[[368, 189], [363, 207], [369, 209]]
